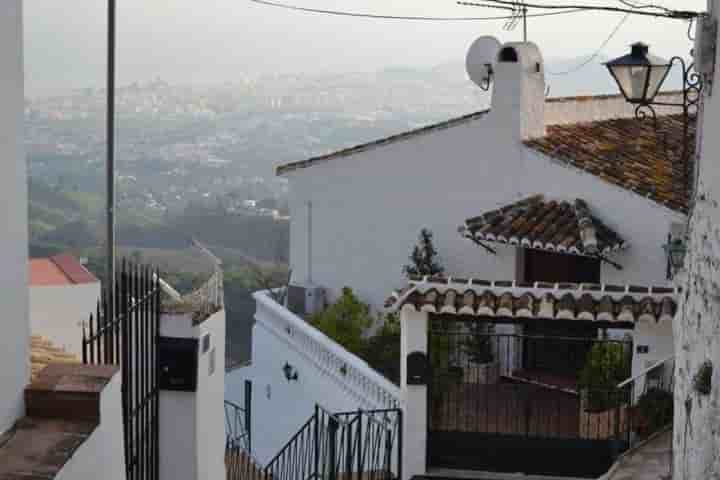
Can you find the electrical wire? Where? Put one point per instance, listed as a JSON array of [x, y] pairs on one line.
[[597, 52], [342, 13], [665, 12]]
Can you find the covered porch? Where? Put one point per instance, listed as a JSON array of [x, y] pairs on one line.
[[493, 372]]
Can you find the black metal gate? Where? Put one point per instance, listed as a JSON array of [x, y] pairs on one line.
[[495, 405], [130, 340]]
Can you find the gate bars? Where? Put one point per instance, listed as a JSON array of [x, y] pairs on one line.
[[130, 340]]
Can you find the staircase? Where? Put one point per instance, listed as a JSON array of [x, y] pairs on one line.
[[357, 445]]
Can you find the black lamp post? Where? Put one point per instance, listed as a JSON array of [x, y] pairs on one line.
[[675, 250], [640, 76]]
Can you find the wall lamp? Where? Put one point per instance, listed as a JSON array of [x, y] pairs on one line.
[[640, 76], [675, 249], [290, 372]]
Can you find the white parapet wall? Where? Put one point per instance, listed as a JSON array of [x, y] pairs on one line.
[[15, 351], [102, 455], [327, 375]]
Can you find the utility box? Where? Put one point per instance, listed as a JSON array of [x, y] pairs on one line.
[[305, 299], [178, 358]]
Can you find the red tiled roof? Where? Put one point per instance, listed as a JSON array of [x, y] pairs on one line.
[[546, 225], [564, 301], [627, 152], [59, 270]]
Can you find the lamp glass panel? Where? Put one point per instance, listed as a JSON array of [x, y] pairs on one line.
[[631, 80], [657, 78]]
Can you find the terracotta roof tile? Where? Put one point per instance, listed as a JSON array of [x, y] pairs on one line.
[[543, 224], [59, 270], [627, 152], [606, 303]]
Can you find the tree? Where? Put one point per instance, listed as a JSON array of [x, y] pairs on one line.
[[424, 257], [345, 321]]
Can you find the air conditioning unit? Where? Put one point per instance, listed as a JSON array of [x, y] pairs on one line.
[[305, 300]]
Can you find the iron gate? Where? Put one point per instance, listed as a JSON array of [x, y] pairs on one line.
[[130, 340], [494, 405]]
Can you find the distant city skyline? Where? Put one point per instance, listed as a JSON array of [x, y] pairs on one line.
[[226, 40]]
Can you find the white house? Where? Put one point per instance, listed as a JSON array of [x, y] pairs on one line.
[[63, 295], [550, 217]]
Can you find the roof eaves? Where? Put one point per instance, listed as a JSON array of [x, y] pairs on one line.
[[289, 167]]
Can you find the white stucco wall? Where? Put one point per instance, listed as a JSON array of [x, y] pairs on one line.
[[192, 424], [14, 354], [368, 208], [696, 434], [102, 455], [279, 406], [57, 312]]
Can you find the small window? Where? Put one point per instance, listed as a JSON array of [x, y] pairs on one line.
[[508, 54], [540, 266]]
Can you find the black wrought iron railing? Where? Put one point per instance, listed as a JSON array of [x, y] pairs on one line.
[[129, 338], [348, 445], [650, 395]]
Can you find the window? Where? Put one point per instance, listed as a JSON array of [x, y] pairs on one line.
[[539, 266]]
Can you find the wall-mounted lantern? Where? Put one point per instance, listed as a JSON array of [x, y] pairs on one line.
[[640, 76], [675, 249], [290, 372]]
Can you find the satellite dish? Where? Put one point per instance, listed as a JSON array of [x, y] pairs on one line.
[[481, 59]]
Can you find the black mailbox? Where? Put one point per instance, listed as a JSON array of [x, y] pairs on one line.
[[417, 369], [178, 359]]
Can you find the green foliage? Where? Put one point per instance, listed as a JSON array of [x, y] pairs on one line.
[[382, 350], [655, 408], [702, 381], [606, 366], [345, 321], [478, 346], [424, 257]]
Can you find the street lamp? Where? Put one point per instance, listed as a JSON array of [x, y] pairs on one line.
[[675, 249], [640, 76]]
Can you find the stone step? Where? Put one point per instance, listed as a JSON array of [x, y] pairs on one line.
[[68, 391]]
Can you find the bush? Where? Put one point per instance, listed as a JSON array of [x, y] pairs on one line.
[[345, 321], [382, 350], [424, 257], [478, 346], [655, 409], [607, 365]]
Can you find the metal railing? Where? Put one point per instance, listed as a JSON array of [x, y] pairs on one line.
[[348, 445], [650, 395]]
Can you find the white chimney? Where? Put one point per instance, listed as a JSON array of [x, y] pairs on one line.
[[518, 97]]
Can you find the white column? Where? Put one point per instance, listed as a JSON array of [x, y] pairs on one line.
[[414, 338], [14, 354]]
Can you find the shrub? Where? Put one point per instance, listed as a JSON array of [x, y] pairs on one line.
[[655, 409], [345, 321], [424, 257], [478, 346], [606, 366]]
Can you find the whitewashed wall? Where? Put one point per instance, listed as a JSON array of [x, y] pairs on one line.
[[102, 455], [368, 208], [279, 406], [696, 434], [57, 312], [192, 424], [14, 354]]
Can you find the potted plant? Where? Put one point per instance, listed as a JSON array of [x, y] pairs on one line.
[[654, 411], [482, 367]]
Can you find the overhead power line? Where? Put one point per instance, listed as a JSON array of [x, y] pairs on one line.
[[597, 52], [378, 16], [662, 12]]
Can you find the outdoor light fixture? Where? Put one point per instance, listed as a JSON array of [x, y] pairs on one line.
[[290, 372], [640, 76], [675, 249]]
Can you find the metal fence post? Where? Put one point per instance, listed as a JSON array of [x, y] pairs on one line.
[[332, 447], [248, 413], [316, 442], [400, 444]]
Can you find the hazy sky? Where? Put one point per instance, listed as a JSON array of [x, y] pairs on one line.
[[186, 41]]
